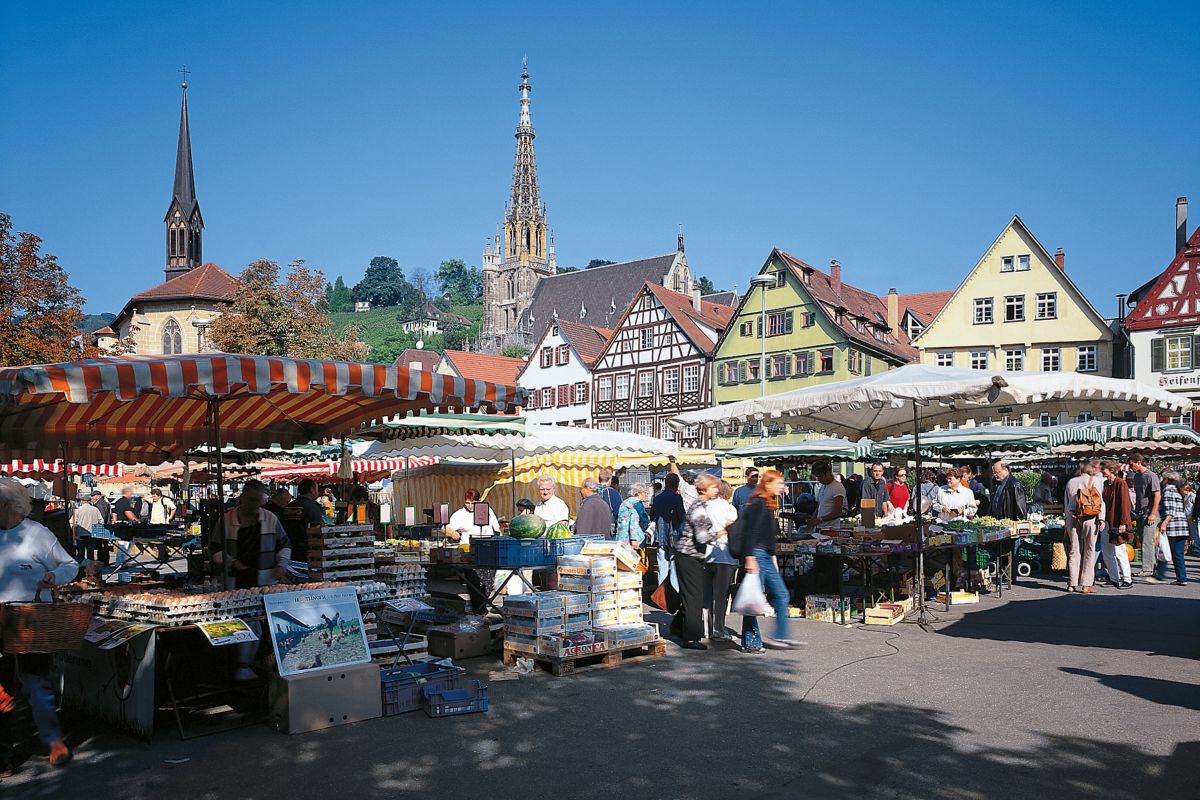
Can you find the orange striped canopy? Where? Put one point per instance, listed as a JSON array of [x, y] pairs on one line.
[[136, 408]]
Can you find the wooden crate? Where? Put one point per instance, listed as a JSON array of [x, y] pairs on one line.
[[560, 667]]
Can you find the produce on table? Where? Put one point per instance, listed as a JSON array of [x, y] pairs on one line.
[[526, 526], [559, 530]]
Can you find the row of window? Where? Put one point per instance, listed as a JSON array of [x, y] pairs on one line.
[[1014, 264], [555, 356], [617, 387], [786, 365], [1045, 307], [779, 323], [1174, 353], [645, 426], [1014, 359], [565, 394]]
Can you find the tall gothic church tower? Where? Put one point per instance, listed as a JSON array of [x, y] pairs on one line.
[[185, 226], [515, 262]]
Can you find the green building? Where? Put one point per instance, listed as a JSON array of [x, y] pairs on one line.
[[818, 330]]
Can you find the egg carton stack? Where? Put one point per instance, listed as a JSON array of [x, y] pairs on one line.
[[168, 607], [407, 579], [342, 553], [373, 593], [530, 618]]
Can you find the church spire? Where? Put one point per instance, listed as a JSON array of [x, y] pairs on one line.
[[525, 223], [183, 220]]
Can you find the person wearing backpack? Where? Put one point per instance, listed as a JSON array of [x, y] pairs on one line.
[[1084, 513]]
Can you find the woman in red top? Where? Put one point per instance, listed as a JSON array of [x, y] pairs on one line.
[[898, 488]]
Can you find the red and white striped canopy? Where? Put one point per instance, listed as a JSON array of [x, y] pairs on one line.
[[143, 407], [55, 467], [325, 469]]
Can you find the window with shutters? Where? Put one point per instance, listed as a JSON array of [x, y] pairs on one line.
[[581, 392], [804, 363], [691, 378], [1179, 352], [746, 328], [564, 394], [535, 398], [983, 310], [777, 366], [854, 361], [564, 354], [779, 323], [1051, 359], [647, 338], [671, 380], [645, 426], [623, 387], [1086, 358], [729, 372], [1045, 420], [752, 375], [646, 384], [604, 388], [548, 397], [826, 360], [808, 319], [547, 357], [780, 279]]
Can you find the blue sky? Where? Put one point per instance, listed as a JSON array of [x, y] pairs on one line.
[[897, 138]]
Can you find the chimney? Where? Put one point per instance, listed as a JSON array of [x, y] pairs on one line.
[[1060, 258], [1180, 223], [835, 276], [893, 310], [696, 300], [1121, 308]]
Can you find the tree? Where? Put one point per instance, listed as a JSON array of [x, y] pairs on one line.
[[705, 285], [40, 311], [515, 351], [598, 262], [340, 297], [422, 282], [292, 319], [564, 270], [463, 284], [384, 285], [454, 335]]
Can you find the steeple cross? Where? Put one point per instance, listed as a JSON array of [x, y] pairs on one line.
[[184, 71]]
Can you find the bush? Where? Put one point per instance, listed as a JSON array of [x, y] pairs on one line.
[[1029, 481]]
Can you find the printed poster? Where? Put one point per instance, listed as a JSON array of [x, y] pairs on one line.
[[227, 631], [124, 635], [316, 629]]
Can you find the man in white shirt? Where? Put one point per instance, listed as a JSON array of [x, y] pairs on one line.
[[462, 527], [550, 508], [831, 497], [160, 509], [1083, 527]]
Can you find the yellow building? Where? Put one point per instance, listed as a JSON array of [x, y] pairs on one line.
[[1018, 310]]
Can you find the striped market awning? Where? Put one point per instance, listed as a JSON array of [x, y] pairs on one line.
[[326, 469], [416, 426], [167, 405], [57, 467]]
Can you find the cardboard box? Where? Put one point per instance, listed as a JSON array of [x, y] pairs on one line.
[[629, 580], [619, 636], [604, 617], [520, 643], [534, 626], [458, 644], [573, 645], [538, 603], [588, 583], [826, 608], [627, 558], [325, 699], [587, 565]]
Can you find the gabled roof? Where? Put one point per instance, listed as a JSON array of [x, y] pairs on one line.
[[430, 311], [601, 293], [481, 367], [105, 331], [722, 298], [586, 340], [923, 305], [1174, 297], [206, 282], [855, 302], [689, 320], [428, 359], [1047, 258]]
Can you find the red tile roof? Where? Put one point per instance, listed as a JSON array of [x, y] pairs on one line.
[[587, 340], [105, 331], [477, 366], [428, 359], [855, 302], [206, 282], [923, 305], [680, 307]]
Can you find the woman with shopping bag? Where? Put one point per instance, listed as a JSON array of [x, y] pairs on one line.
[[759, 531], [697, 533]]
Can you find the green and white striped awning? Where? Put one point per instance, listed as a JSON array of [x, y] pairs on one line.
[[983, 439], [1129, 437], [832, 448], [417, 426]]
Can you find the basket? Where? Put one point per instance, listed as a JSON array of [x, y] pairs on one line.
[[401, 686], [38, 627], [453, 702]]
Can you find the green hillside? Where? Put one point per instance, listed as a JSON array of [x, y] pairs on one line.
[[380, 328]]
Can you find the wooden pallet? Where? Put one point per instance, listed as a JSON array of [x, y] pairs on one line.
[[560, 667]]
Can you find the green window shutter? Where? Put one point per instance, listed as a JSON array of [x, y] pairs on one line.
[[787, 322], [1158, 355], [1195, 352]]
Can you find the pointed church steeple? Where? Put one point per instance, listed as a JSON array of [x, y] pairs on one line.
[[185, 225], [525, 220]]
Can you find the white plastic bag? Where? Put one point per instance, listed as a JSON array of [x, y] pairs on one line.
[[750, 600]]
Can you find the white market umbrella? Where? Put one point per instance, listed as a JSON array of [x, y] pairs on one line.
[[832, 448]]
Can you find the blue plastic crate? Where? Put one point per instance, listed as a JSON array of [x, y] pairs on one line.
[[505, 551], [572, 546], [453, 702], [402, 686]]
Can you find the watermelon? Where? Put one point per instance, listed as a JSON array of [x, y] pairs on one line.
[[559, 530], [526, 526]]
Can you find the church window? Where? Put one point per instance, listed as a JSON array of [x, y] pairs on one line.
[[172, 338]]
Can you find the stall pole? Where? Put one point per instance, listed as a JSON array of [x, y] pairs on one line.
[[214, 406], [512, 479], [922, 614]]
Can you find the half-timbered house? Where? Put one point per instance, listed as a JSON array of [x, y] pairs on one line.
[[655, 365]]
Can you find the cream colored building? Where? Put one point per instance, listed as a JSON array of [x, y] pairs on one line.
[[1018, 310]]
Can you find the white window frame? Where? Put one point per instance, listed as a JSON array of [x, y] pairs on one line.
[[1182, 351], [622, 382], [985, 312], [944, 359], [1052, 353], [562, 355], [580, 392], [780, 279], [646, 338], [645, 426], [671, 380], [645, 383], [691, 378], [665, 431], [1044, 420], [604, 426], [1015, 302], [1023, 263], [1047, 305], [978, 359], [604, 388], [1014, 359], [1008, 264], [1086, 358], [547, 357], [821, 361], [625, 425], [549, 397]]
